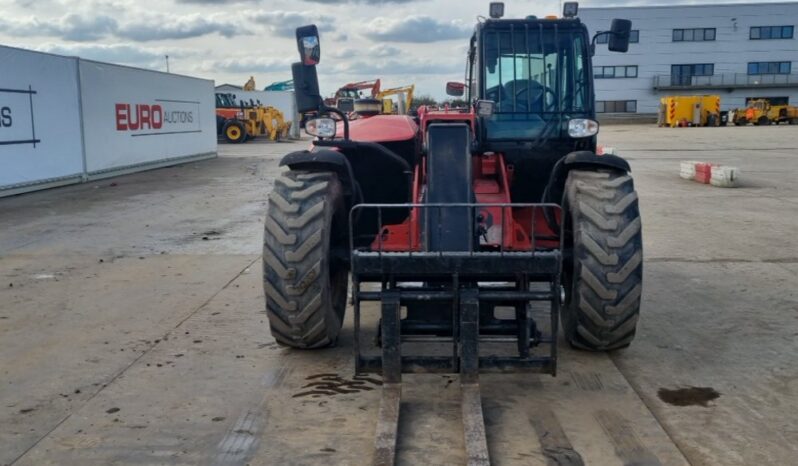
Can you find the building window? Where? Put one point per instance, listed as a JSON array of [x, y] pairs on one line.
[[616, 106], [693, 35], [682, 75], [771, 100], [771, 32], [770, 67], [607, 72], [634, 37]]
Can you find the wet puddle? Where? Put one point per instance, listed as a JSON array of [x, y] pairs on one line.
[[688, 396]]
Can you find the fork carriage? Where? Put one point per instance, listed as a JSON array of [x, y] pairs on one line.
[[450, 298]]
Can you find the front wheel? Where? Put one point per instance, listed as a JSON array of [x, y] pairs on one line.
[[603, 278], [234, 132], [304, 276]]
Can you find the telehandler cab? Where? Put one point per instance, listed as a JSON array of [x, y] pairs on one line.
[[461, 217]]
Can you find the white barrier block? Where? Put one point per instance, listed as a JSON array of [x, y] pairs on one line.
[[725, 177], [610, 151], [687, 169]]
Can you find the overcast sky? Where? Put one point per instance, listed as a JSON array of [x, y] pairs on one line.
[[401, 41]]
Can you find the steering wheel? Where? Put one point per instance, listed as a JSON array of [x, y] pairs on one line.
[[545, 92]]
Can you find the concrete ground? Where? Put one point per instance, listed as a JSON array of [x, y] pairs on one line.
[[132, 329]]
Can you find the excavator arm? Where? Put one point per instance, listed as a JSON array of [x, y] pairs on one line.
[[406, 91]]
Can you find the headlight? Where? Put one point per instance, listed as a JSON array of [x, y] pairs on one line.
[[240, 115], [582, 128], [321, 127]]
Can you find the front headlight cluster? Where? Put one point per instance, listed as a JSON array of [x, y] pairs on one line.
[[321, 127], [582, 128]]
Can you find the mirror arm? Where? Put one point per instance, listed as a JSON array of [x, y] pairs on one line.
[[595, 36]]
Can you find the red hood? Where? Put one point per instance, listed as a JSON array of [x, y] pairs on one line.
[[381, 128]]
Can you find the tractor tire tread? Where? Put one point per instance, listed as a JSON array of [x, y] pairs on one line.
[[603, 308], [295, 259]]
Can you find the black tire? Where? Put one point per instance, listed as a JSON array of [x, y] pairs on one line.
[[234, 132], [304, 281], [603, 281], [741, 122], [763, 121]]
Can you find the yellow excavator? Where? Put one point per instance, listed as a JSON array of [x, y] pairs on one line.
[[402, 107]]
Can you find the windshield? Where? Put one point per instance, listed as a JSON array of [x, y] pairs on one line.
[[225, 101], [537, 76], [352, 93]]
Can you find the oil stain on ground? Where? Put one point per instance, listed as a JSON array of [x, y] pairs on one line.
[[332, 384], [688, 396]]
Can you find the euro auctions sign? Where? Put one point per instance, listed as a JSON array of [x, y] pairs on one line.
[[160, 117], [134, 117]]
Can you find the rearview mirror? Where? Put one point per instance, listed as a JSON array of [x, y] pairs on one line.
[[455, 89], [307, 38], [620, 31]]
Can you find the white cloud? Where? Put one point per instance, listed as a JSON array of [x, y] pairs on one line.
[[384, 50], [247, 65], [70, 27], [284, 23], [147, 27], [416, 29], [159, 27], [127, 54], [396, 66]]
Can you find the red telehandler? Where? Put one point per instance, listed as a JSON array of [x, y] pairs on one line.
[[504, 207]]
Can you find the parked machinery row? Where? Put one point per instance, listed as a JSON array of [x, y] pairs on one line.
[[349, 99], [239, 122], [704, 110]]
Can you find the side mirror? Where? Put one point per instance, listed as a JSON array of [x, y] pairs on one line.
[[620, 31], [455, 89], [307, 38]]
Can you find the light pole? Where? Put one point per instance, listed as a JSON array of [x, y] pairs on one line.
[[167, 63]]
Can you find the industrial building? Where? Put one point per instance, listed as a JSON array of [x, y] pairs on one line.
[[738, 51]]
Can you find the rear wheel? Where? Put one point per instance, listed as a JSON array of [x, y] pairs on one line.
[[304, 276], [603, 278], [763, 121], [234, 132]]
